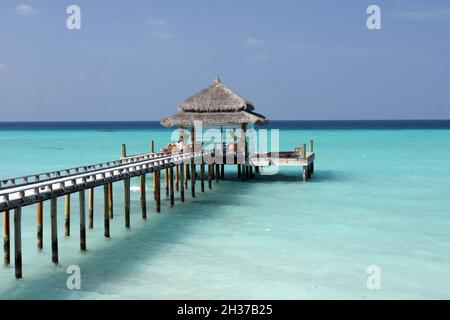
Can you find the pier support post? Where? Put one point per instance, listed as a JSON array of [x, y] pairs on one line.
[[126, 184], [82, 220], [106, 210], [143, 197], [157, 190], [217, 172], [18, 242], [6, 239], [222, 171], [54, 229], [67, 216], [152, 146], [182, 182], [210, 175], [305, 173], [166, 181], [177, 178], [91, 208], [110, 200], [193, 180], [202, 177], [40, 225], [172, 194], [239, 170]]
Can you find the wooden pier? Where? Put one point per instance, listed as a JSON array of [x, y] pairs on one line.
[[180, 167]]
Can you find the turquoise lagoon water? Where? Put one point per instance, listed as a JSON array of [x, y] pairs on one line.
[[380, 196]]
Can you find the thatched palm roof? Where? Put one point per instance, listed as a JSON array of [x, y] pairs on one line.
[[214, 105]]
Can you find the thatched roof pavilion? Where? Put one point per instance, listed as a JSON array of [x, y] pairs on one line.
[[214, 105]]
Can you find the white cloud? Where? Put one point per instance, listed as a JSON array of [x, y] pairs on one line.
[[263, 56], [160, 35], [157, 22], [424, 14], [25, 10], [254, 42]]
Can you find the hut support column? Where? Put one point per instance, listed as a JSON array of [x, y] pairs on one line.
[[172, 194], [54, 229], [40, 225], [91, 208], [106, 209], [143, 197], [239, 170], [67, 216], [222, 171], [126, 183], [217, 172], [82, 221], [18, 242], [6, 239], [182, 182]]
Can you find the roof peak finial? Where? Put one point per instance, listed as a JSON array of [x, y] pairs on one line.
[[217, 79]]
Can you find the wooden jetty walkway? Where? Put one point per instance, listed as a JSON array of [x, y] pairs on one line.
[[215, 105]]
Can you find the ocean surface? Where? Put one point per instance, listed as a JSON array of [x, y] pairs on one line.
[[380, 196]]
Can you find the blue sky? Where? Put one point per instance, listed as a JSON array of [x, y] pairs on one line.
[[136, 60]]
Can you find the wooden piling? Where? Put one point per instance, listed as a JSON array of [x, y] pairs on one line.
[[82, 220], [202, 177], [18, 242], [239, 170], [217, 172], [193, 180], [210, 175], [106, 209], [54, 229], [110, 200], [182, 182], [91, 208], [152, 146], [311, 146], [157, 191], [222, 171], [166, 181], [177, 178], [172, 195], [40, 225], [143, 197], [305, 173], [67, 216], [6, 239], [126, 184]]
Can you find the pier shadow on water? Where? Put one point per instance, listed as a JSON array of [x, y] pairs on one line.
[[126, 250]]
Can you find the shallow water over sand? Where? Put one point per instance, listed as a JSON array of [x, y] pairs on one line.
[[379, 197]]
